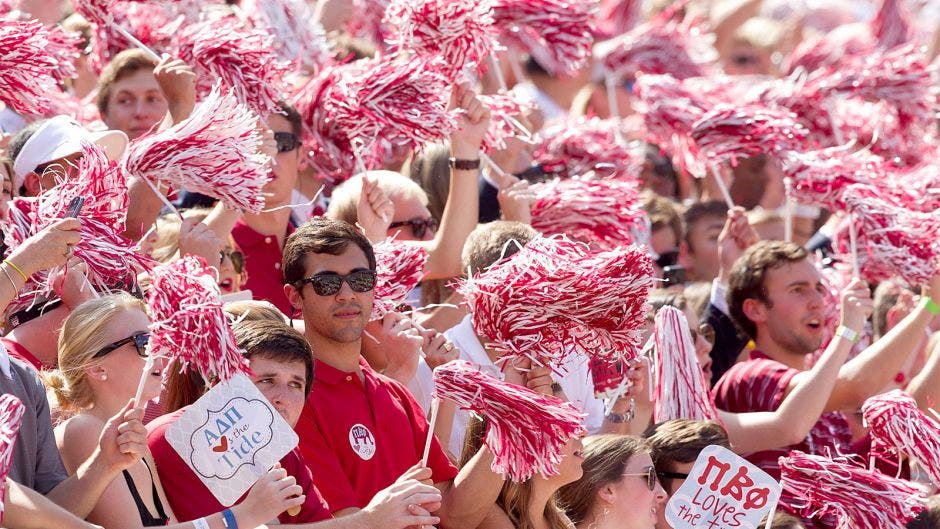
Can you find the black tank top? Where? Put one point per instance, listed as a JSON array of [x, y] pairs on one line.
[[145, 517]]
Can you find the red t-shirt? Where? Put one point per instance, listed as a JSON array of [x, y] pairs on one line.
[[263, 265], [760, 384], [360, 436], [22, 354], [191, 499]]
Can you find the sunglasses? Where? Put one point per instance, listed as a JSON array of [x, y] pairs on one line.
[[418, 226], [286, 141], [650, 474], [706, 331], [329, 284], [667, 258], [139, 339], [237, 258]]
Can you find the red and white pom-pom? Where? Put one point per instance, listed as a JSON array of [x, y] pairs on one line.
[[897, 237], [399, 267], [505, 111], [360, 108], [365, 21], [11, 417], [669, 111], [187, 322], [554, 298], [830, 49], [31, 60], [898, 427], [602, 213], [892, 25], [681, 391], [856, 496], [729, 132], [527, 431], [820, 177], [596, 146], [112, 260], [557, 33], [152, 23], [214, 152], [660, 46], [63, 47], [459, 31], [299, 37], [616, 17], [241, 58]]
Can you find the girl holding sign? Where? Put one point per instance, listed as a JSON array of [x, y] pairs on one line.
[[102, 348]]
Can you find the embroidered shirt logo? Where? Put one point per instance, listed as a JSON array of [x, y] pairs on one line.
[[362, 441]]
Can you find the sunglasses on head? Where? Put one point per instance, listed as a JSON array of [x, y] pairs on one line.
[[237, 258], [329, 284], [286, 141], [139, 339], [418, 226], [649, 474]]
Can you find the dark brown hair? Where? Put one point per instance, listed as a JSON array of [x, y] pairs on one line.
[[681, 440], [748, 274], [275, 341], [321, 235]]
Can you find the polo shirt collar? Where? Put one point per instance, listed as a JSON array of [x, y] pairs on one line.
[[248, 237], [328, 374]]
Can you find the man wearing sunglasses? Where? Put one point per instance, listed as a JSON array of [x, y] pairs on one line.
[[360, 431]]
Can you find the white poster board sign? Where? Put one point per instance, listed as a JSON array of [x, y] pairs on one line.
[[723, 490], [230, 437]]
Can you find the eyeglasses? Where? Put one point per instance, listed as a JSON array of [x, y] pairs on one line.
[[706, 331], [329, 284], [668, 258], [139, 339], [418, 226], [650, 474], [671, 475], [237, 258], [286, 141]]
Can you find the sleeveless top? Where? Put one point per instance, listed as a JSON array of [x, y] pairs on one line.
[[145, 517]]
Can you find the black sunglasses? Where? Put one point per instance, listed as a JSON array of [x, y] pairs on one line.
[[238, 259], [139, 339], [286, 141], [705, 330], [671, 475], [667, 258], [418, 226], [329, 284], [650, 475]]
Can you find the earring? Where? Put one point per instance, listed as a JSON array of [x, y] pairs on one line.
[[104, 377]]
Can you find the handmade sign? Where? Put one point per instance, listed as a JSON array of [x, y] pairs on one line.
[[230, 437], [723, 491]]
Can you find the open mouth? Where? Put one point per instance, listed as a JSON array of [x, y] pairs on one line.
[[226, 285]]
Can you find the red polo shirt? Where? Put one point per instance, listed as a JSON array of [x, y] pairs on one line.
[[360, 436], [22, 354], [191, 499], [263, 264]]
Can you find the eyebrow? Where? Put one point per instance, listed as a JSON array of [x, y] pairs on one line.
[[333, 272], [798, 284]]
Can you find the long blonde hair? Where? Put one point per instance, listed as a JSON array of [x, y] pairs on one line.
[[79, 340]]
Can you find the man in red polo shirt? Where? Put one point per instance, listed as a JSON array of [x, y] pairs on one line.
[[282, 369], [776, 297], [361, 430]]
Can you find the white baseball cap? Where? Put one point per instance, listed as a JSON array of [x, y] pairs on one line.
[[59, 137]]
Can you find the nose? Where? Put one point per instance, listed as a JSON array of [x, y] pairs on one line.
[[345, 293], [659, 493]]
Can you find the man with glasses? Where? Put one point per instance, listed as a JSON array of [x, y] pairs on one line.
[[360, 431], [675, 445]]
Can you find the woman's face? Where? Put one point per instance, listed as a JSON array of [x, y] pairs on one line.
[[232, 268], [121, 368], [634, 505], [7, 191], [570, 468], [703, 347]]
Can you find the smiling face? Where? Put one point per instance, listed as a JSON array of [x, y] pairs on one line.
[[634, 505], [115, 365]]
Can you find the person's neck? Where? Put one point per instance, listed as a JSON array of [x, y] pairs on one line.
[[40, 336], [340, 355], [542, 491], [778, 352], [107, 405], [599, 518], [558, 90], [272, 223]]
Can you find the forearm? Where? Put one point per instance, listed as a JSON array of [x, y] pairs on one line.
[[80, 492], [144, 208], [878, 364], [222, 220], [925, 386], [801, 408], [474, 491], [25, 508], [459, 218]]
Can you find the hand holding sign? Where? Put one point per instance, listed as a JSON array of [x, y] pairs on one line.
[[271, 495], [723, 491]]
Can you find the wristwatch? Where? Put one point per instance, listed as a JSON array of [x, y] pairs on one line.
[[464, 165]]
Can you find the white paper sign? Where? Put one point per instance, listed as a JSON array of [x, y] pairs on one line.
[[723, 490], [230, 437]]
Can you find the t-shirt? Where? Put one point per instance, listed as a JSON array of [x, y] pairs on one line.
[[191, 499], [263, 265], [36, 461], [359, 436]]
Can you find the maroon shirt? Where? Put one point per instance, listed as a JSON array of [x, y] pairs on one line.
[[263, 265]]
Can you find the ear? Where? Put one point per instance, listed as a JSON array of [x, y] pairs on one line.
[[755, 310], [33, 184], [95, 371], [294, 297], [607, 494]]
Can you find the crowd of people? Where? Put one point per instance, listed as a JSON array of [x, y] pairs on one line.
[[790, 341]]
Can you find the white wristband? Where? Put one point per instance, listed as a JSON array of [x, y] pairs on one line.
[[847, 333], [200, 523]]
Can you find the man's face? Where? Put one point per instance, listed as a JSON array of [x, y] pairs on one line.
[[671, 485], [284, 174], [340, 317], [701, 248], [282, 383], [136, 104], [794, 313], [409, 208]]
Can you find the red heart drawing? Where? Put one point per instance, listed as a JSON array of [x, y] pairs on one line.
[[223, 445]]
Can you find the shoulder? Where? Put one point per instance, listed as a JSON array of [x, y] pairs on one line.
[[77, 439]]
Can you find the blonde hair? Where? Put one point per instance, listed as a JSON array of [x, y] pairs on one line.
[[79, 340], [346, 195], [168, 233]]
